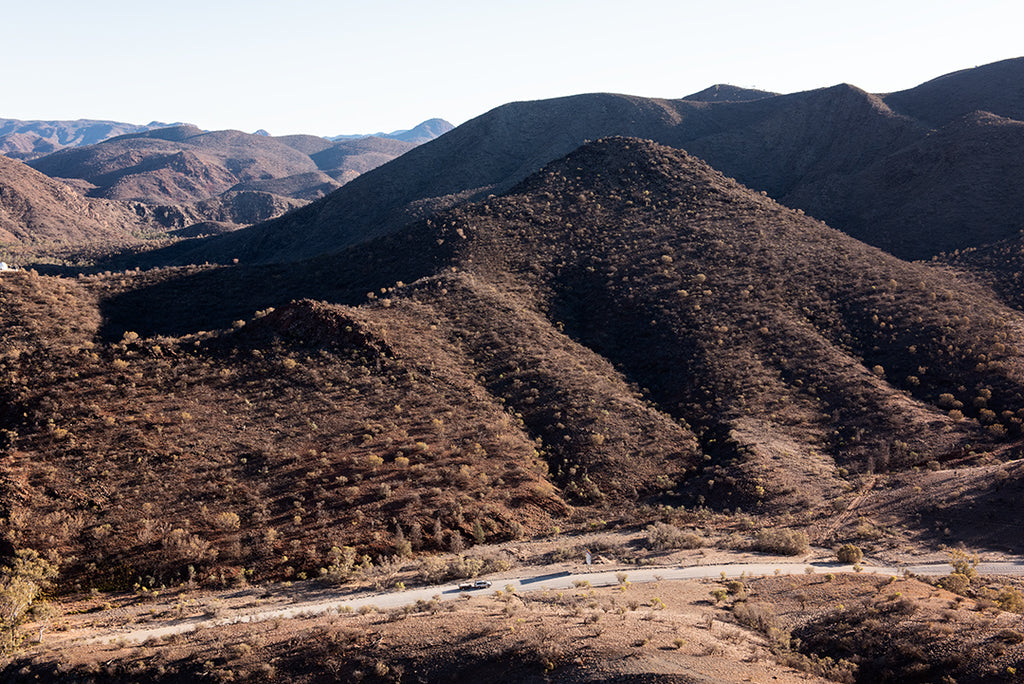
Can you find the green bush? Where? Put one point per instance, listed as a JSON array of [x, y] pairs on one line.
[[1011, 599], [963, 563], [782, 541], [663, 537], [850, 553], [955, 582], [737, 588]]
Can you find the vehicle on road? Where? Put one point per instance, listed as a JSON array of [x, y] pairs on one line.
[[478, 584]]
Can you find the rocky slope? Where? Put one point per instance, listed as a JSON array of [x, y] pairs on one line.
[[35, 209]]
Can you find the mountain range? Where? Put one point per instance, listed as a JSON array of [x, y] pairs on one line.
[[31, 139], [625, 331], [174, 178], [185, 164], [424, 132], [598, 312], [876, 167]]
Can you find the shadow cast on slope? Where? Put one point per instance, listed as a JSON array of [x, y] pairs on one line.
[[984, 513], [180, 301]]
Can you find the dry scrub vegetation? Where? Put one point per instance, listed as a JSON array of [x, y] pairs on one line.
[[627, 338], [626, 330], [174, 459]]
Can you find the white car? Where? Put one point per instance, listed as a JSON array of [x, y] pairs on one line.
[[478, 584]]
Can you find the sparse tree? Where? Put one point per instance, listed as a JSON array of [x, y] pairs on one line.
[[455, 543], [21, 582], [438, 533], [402, 546], [963, 563], [416, 536]]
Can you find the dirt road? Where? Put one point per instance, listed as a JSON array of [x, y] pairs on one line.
[[529, 580]]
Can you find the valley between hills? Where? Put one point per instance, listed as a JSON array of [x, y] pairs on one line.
[[737, 327]]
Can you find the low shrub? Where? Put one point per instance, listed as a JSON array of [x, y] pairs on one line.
[[663, 537], [782, 541], [850, 553]]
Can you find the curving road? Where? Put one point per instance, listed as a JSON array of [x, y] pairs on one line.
[[538, 580]]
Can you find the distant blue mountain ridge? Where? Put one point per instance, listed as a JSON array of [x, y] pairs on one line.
[[428, 130], [26, 140]]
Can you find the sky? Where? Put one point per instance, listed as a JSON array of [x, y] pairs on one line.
[[345, 66]]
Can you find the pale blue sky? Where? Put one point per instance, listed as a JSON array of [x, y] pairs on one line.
[[312, 66]]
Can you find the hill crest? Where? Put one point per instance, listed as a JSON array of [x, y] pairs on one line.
[[723, 92], [992, 88]]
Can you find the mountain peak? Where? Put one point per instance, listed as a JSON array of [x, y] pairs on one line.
[[623, 162], [723, 92]]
